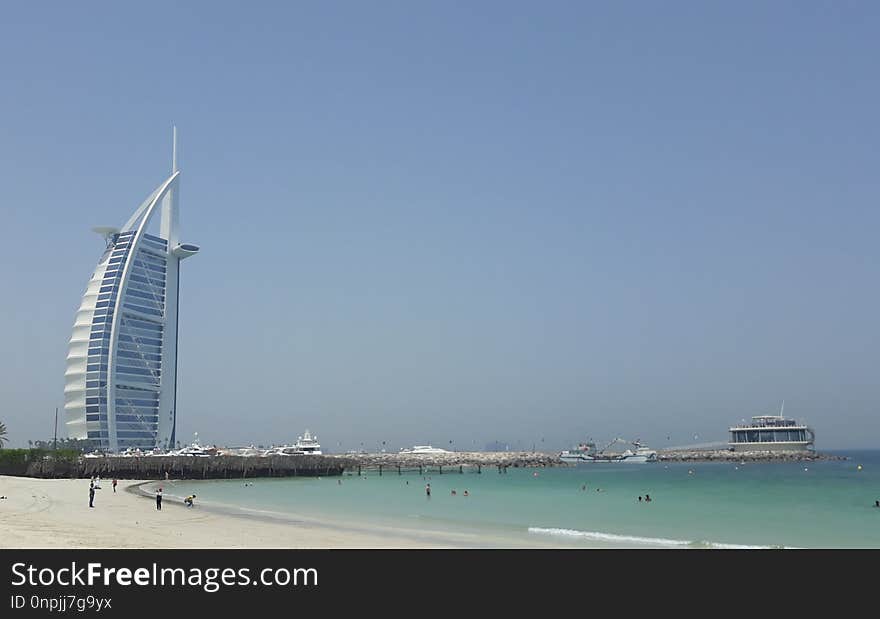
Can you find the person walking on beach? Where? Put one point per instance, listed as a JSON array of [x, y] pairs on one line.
[[114, 486], [159, 499], [91, 494]]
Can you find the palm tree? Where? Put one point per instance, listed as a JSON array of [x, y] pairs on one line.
[[3, 438]]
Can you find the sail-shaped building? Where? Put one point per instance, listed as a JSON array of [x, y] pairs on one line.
[[121, 379]]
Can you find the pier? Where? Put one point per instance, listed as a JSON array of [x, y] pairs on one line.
[[43, 463], [177, 467], [453, 462]]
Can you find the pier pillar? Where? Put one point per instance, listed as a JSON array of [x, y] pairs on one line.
[[441, 469], [380, 470], [359, 470], [460, 470]]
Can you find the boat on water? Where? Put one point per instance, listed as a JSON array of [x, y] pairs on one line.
[[772, 433], [305, 445], [587, 452], [308, 444], [424, 449], [195, 449]]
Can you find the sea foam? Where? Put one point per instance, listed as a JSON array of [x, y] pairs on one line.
[[642, 541]]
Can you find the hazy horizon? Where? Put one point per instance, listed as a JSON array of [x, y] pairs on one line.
[[469, 223]]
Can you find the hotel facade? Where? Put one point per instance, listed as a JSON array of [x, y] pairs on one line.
[[120, 387]]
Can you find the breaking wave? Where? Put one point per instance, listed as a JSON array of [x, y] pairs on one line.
[[635, 540]]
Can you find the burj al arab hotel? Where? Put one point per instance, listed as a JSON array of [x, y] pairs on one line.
[[121, 379]]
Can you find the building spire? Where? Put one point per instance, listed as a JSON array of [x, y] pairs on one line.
[[173, 149]]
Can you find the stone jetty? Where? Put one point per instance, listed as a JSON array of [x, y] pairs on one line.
[[181, 467], [39, 464], [725, 455], [450, 460]]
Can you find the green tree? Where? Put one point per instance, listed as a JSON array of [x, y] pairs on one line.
[[3, 438]]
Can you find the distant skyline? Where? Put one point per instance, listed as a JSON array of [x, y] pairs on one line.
[[466, 222]]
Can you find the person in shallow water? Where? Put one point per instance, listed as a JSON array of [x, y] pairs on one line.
[[640, 498], [647, 498]]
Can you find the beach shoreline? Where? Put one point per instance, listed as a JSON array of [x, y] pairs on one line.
[[54, 513]]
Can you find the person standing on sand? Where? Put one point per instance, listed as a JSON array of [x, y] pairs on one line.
[[159, 499], [91, 493], [114, 486]]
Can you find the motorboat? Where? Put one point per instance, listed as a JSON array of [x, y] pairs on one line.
[[284, 450], [424, 449]]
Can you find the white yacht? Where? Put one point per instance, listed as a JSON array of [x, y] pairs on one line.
[[424, 449], [305, 445], [587, 452], [195, 449], [284, 450], [308, 444], [772, 433]]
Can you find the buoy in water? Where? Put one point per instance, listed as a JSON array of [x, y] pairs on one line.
[[860, 467]]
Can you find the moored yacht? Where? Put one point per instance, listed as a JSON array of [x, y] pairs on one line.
[[308, 444], [424, 449], [195, 449]]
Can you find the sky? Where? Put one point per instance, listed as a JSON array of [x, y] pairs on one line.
[[460, 222]]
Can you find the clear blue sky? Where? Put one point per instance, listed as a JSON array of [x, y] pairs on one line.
[[461, 221]]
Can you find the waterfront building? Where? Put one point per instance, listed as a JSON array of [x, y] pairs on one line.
[[120, 387]]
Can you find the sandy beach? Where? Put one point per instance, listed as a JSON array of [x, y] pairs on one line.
[[55, 513]]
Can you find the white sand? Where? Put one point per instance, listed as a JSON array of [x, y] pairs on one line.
[[55, 513]]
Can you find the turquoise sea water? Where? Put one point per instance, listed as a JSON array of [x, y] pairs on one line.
[[809, 505]]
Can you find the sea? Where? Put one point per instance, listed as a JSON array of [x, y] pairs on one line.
[[820, 504]]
